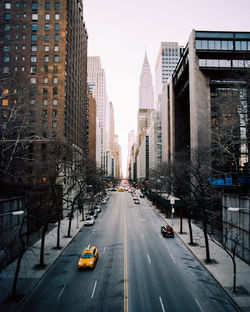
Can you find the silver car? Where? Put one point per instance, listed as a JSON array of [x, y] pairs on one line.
[[89, 220]]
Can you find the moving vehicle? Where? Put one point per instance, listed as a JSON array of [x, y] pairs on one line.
[[88, 257], [167, 231], [89, 220]]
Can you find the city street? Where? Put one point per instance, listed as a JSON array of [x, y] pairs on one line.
[[137, 270]]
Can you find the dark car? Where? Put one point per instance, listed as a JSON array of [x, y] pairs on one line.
[[93, 213], [167, 231]]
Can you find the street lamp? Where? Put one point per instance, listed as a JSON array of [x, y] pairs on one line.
[[237, 209], [13, 213]]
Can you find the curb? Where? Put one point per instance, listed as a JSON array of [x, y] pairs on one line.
[[218, 283]]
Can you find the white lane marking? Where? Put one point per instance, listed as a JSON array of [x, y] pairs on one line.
[[104, 250], [172, 257], [93, 232], [148, 258], [162, 306], [142, 236], [198, 304], [93, 292], [61, 292]]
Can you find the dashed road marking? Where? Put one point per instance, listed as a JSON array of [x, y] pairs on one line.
[[93, 292], [162, 306], [148, 258]]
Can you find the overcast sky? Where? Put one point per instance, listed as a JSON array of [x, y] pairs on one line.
[[121, 30]]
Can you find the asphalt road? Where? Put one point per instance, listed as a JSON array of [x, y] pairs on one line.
[[138, 270]]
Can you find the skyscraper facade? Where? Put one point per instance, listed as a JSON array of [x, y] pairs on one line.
[[43, 61], [97, 79], [166, 62], [146, 90]]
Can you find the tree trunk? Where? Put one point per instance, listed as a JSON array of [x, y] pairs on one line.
[[208, 259], [190, 232], [44, 229], [181, 223], [20, 257], [58, 235]]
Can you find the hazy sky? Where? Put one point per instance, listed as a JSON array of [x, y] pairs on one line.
[[121, 30]]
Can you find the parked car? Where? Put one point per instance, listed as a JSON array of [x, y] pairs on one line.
[[93, 213], [88, 257], [136, 201], [167, 231], [89, 220], [98, 208]]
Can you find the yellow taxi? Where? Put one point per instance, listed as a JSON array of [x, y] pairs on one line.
[[120, 189], [88, 257]]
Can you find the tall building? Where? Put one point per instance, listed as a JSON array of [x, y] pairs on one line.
[[43, 60], [97, 80], [167, 59], [146, 90], [207, 96], [91, 128]]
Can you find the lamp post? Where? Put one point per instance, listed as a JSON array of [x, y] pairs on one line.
[[13, 213]]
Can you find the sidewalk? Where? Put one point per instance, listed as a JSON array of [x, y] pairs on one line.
[[221, 267], [29, 274]]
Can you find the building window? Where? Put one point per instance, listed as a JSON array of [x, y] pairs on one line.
[[46, 58], [16, 58], [47, 16], [45, 91], [23, 58], [24, 15], [45, 80], [6, 38], [34, 27], [55, 79], [56, 26], [56, 37], [47, 6], [7, 5], [57, 5], [7, 27], [17, 37], [24, 4], [33, 69], [32, 101], [23, 47], [45, 113], [57, 16], [46, 37], [34, 6], [46, 27], [6, 48], [34, 17], [22, 69], [45, 124], [55, 102], [56, 58], [24, 26], [55, 70], [53, 124], [54, 112], [46, 48], [56, 48], [34, 48], [46, 69], [33, 37], [7, 16], [23, 37], [54, 91], [45, 102], [5, 102], [33, 58], [33, 80], [6, 70], [6, 58]]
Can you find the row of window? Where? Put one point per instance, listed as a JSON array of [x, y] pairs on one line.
[[32, 113], [33, 69], [7, 48], [34, 5], [34, 27], [224, 63], [34, 16], [45, 102], [46, 37], [33, 80], [222, 45], [33, 124]]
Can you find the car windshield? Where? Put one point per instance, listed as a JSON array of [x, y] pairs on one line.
[[87, 255], [88, 219]]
